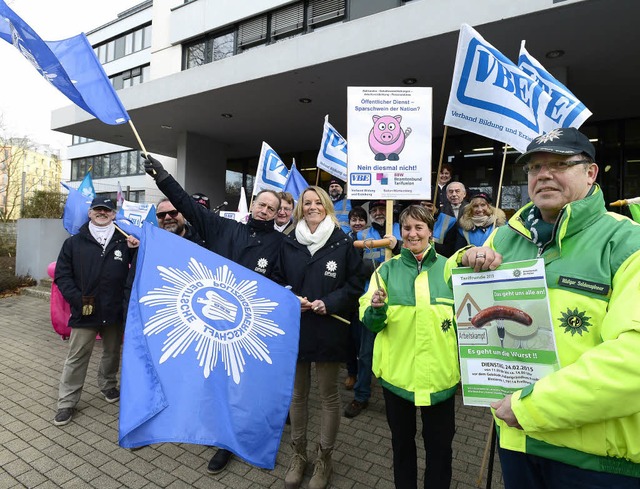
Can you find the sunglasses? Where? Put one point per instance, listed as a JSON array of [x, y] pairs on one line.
[[173, 214], [199, 197]]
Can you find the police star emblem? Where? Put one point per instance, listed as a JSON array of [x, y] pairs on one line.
[[212, 313], [446, 325], [574, 322], [550, 136]]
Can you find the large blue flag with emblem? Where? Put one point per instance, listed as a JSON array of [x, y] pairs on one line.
[[70, 65], [332, 156], [271, 173], [210, 352], [296, 183], [76, 209]]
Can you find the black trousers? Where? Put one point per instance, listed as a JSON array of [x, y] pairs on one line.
[[438, 428]]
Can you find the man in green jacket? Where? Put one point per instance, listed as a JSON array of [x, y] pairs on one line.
[[579, 426]]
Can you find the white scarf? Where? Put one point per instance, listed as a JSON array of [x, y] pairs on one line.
[[314, 241], [102, 234]]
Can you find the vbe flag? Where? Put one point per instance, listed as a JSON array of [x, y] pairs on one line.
[[564, 109], [332, 156], [70, 65], [210, 352], [272, 173], [296, 183], [492, 97], [137, 212], [76, 209]]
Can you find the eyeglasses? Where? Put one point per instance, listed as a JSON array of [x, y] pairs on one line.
[[552, 166], [199, 197], [173, 214], [101, 209]]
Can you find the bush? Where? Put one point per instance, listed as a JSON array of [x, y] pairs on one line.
[[8, 281], [44, 204]]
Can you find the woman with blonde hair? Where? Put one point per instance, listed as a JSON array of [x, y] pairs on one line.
[[321, 266], [478, 220]]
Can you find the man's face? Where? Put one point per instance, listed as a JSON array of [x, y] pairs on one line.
[[265, 207], [335, 191], [284, 213], [101, 216], [444, 177], [427, 204], [377, 215], [456, 193], [551, 190], [169, 218]]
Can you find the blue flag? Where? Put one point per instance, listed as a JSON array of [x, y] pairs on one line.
[[138, 213], [271, 173], [76, 208], [210, 352], [296, 183], [128, 226], [70, 65], [332, 156]]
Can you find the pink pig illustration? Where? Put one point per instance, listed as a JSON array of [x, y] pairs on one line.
[[386, 138]]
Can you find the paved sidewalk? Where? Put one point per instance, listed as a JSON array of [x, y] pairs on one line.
[[85, 454]]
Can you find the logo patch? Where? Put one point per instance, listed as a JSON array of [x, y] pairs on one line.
[[212, 315], [262, 265], [574, 322], [446, 325], [117, 255], [332, 266]]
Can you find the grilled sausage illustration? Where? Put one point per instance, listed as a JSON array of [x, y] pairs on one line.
[[501, 312]]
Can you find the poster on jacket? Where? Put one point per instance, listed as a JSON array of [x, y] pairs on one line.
[[389, 134], [505, 331]]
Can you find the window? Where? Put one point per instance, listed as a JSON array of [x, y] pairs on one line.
[[124, 45], [109, 165], [196, 55], [132, 77], [252, 32], [287, 20], [324, 11]]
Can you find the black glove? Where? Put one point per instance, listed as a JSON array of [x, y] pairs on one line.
[[154, 168]]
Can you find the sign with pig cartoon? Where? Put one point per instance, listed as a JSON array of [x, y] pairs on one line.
[[389, 134]]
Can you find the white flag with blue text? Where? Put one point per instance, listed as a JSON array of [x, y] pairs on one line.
[[332, 156], [272, 173], [564, 109], [492, 97]]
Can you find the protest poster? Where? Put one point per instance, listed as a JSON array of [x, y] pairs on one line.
[[505, 332], [389, 134]]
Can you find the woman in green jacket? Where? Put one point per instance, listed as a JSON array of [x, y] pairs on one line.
[[410, 307]]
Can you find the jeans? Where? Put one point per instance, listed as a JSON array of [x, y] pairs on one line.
[[525, 471], [438, 428], [362, 387]]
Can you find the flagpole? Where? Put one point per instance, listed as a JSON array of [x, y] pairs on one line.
[[435, 187], [504, 159], [317, 176], [388, 253], [135, 133]]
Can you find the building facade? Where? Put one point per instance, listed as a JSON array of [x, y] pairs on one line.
[[226, 75]]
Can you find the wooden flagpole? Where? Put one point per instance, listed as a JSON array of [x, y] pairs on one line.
[[504, 159], [135, 133], [435, 187]]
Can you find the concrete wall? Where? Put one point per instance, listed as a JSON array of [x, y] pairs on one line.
[[38, 244]]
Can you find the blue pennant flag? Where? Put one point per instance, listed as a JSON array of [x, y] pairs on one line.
[[296, 183], [332, 156], [271, 173], [128, 226], [210, 352], [70, 65], [76, 208]]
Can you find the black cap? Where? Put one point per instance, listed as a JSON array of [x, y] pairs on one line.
[[102, 202], [336, 181], [482, 195], [202, 199], [566, 141], [377, 203]]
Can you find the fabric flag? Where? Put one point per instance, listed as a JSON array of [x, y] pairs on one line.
[[272, 172], [137, 213], [332, 156], [296, 183], [119, 196], [492, 97], [210, 352], [634, 207], [70, 65], [564, 109], [128, 226], [242, 203], [76, 209]]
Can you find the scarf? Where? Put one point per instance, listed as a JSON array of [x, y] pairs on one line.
[[102, 234], [314, 241], [483, 221]]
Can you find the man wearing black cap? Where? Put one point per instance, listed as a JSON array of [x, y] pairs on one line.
[[340, 203], [576, 427], [91, 271]]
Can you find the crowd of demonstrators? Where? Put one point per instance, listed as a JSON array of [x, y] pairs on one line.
[[410, 307], [444, 178], [284, 220], [255, 245], [372, 258], [576, 427], [357, 222], [91, 272], [321, 266]]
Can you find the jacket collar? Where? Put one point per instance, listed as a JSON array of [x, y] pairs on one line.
[[263, 226], [428, 258]]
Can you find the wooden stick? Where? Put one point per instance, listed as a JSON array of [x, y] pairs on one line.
[[317, 176], [135, 133], [485, 453], [118, 229], [388, 254], [332, 315], [504, 159], [435, 187], [371, 243]]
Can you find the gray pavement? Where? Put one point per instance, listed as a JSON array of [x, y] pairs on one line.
[[85, 454]]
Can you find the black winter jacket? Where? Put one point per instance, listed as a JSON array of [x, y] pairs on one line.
[[254, 245], [336, 275], [85, 269]]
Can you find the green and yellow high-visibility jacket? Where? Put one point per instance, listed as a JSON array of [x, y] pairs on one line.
[[415, 353], [586, 414]]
